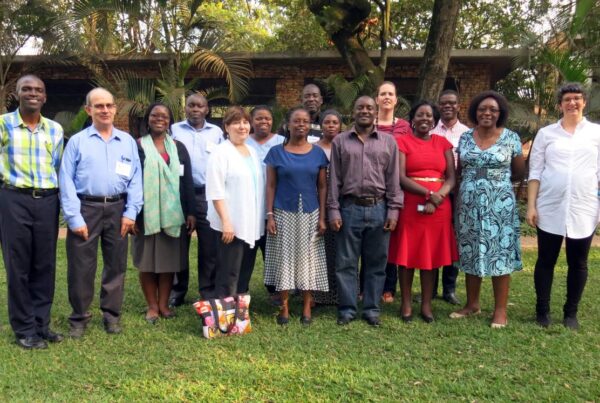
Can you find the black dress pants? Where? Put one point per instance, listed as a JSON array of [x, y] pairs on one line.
[[207, 255], [248, 266], [577, 256], [29, 228], [229, 264]]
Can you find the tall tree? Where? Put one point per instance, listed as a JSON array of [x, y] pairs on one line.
[[437, 51], [176, 28], [345, 23]]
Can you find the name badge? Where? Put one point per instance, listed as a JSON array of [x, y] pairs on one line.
[[181, 169], [210, 146], [123, 169]]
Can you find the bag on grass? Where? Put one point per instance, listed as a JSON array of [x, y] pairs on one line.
[[227, 316]]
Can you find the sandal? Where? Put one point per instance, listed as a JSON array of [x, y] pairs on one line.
[[459, 315]]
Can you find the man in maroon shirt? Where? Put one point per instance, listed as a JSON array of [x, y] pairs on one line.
[[363, 202]]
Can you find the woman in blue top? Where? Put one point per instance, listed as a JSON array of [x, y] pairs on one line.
[[296, 193]]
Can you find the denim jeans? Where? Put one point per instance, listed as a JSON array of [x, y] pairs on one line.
[[361, 234]]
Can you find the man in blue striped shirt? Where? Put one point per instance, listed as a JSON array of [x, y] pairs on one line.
[[30, 151], [101, 195]]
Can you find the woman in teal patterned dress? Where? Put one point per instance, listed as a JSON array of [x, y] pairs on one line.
[[490, 156]]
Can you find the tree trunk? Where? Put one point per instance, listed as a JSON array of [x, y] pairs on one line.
[[437, 50], [343, 21]]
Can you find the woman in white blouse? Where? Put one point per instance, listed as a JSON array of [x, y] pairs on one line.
[[235, 184], [564, 172]]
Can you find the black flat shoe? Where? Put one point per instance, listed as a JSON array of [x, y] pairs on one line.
[[543, 320], [451, 299], [427, 319], [52, 337], [571, 322], [344, 320], [406, 318], [282, 320], [175, 302], [372, 321], [305, 320]]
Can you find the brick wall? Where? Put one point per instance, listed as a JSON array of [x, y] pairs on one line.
[[290, 75]]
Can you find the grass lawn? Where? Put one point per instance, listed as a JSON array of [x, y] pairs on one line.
[[450, 359]]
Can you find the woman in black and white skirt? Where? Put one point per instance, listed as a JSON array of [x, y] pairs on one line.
[[296, 193]]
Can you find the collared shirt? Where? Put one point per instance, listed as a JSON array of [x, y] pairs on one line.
[[94, 167], [30, 159], [199, 143], [263, 149], [568, 168], [364, 169], [452, 134]]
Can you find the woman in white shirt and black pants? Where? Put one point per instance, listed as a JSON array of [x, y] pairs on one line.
[[564, 173], [235, 189]]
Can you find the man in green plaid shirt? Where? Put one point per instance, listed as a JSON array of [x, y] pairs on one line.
[[30, 151]]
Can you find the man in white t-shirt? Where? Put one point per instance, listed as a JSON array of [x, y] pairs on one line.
[[451, 128]]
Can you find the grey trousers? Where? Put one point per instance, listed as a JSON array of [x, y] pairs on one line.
[[104, 222]]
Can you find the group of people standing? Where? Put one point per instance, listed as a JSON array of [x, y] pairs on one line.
[[321, 203]]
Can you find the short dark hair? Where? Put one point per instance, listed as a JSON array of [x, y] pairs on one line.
[[288, 117], [32, 76], [449, 92], [295, 109], [258, 108], [329, 112], [502, 104], [570, 88], [149, 111], [418, 104]]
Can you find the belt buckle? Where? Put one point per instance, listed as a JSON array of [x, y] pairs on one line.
[[481, 173], [35, 195], [106, 199]]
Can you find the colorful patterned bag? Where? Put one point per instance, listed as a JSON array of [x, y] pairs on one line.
[[227, 316]]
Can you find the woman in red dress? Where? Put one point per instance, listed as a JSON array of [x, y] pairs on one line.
[[424, 238]]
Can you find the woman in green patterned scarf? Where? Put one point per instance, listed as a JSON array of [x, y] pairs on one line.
[[168, 210]]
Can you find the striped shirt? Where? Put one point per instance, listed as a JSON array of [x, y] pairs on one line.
[[452, 134], [30, 159]]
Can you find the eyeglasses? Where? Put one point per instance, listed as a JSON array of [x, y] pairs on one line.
[[568, 100], [104, 106], [484, 109]]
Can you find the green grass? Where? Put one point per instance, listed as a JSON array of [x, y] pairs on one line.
[[460, 360]]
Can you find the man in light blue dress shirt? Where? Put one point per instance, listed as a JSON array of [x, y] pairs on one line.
[[101, 194], [200, 138]]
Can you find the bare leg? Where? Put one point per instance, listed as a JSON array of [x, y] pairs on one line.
[[149, 285], [284, 311], [165, 283], [501, 286], [427, 282], [307, 298], [472, 305], [406, 280]]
